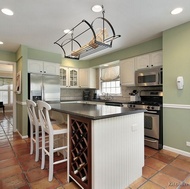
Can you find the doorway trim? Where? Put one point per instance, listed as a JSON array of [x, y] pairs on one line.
[[14, 94]]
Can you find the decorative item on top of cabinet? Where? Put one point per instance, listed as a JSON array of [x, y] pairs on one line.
[[41, 67], [127, 72], [69, 77], [87, 78], [149, 60], [80, 151]]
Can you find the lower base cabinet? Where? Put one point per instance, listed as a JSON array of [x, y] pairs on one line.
[[106, 153]]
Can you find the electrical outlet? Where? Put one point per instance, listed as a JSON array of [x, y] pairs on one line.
[[187, 143]]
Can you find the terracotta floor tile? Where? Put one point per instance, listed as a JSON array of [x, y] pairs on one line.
[[169, 153], [45, 184], [6, 155], [5, 149], [137, 183], [22, 152], [71, 185], [165, 181], [150, 185], [15, 181], [184, 165], [164, 157], [10, 171], [175, 172], [26, 157], [184, 158], [186, 184], [150, 151], [16, 142], [20, 146], [36, 174], [30, 164], [8, 162], [154, 163], [148, 172], [61, 176]]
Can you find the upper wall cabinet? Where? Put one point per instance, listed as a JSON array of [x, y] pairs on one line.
[[87, 78], [68, 77], [37, 66], [149, 60], [127, 72]]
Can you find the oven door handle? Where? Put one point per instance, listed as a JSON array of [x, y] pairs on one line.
[[154, 112], [150, 140]]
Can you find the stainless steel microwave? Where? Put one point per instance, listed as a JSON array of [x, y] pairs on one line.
[[149, 76]]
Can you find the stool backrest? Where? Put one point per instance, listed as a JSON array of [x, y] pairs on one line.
[[43, 112], [31, 109]]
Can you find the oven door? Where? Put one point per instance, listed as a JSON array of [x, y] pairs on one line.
[[151, 124]]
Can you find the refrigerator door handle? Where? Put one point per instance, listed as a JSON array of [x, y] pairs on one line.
[[43, 92]]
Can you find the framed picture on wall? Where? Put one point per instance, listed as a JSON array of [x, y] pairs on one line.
[[18, 82]]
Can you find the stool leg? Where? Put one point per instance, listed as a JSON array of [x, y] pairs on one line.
[[31, 139], [51, 159], [37, 144], [43, 152]]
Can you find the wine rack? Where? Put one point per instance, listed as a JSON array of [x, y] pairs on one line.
[[80, 150]]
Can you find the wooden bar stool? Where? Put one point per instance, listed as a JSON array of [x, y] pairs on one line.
[[34, 128], [52, 129]]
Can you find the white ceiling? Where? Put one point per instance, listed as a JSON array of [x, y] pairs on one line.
[[38, 24]]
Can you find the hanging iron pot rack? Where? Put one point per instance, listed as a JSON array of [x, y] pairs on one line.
[[99, 39]]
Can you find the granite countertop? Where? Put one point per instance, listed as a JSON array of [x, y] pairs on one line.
[[93, 111]]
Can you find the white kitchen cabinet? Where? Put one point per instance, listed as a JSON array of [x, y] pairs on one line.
[[37, 66], [127, 72], [142, 61], [156, 58], [148, 60], [87, 78], [69, 77]]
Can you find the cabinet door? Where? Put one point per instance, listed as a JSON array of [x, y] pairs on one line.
[[51, 68], [87, 78], [156, 58], [35, 66], [73, 77], [142, 61], [64, 77], [127, 72]]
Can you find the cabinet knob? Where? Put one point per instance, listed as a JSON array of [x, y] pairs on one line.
[[147, 66], [152, 65]]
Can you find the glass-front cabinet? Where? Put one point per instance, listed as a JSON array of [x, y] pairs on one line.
[[68, 77]]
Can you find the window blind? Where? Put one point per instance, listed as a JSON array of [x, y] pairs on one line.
[[110, 73]]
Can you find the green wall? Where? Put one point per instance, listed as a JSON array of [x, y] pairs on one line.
[[7, 56], [176, 62]]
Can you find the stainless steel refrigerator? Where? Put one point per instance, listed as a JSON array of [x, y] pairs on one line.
[[44, 87]]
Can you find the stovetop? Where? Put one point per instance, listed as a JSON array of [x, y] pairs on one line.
[[148, 103]]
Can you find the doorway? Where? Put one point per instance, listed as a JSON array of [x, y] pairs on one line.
[[7, 72]]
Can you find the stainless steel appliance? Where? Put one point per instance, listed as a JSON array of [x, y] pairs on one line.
[[151, 101], [149, 76], [44, 87]]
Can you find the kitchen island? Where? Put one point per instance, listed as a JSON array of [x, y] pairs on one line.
[[106, 145]]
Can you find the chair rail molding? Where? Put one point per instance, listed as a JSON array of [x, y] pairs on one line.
[[177, 106]]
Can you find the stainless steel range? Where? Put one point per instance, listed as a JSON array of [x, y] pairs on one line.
[[151, 101]]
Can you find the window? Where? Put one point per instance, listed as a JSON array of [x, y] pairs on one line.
[[110, 81], [6, 91], [111, 87]]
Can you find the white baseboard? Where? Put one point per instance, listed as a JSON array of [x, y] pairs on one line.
[[181, 152], [23, 137]]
